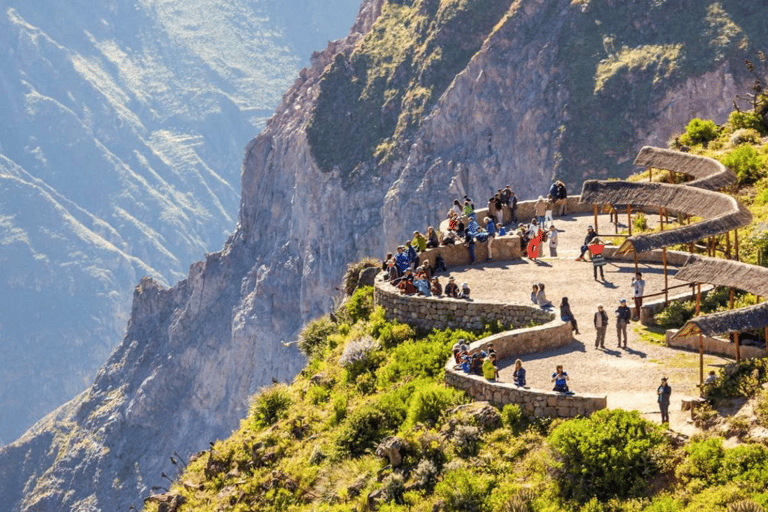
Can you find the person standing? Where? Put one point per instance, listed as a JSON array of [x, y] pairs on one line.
[[552, 241], [638, 286], [623, 314], [601, 324], [562, 197], [663, 392], [490, 227], [548, 220], [540, 209]]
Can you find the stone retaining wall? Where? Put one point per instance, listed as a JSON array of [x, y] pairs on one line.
[[505, 248], [444, 313], [716, 346]]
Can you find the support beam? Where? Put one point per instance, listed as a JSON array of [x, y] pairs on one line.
[[594, 211], [701, 360], [736, 239], [728, 245], [666, 276], [629, 218]]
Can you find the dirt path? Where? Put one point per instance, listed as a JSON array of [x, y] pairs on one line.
[[629, 377]]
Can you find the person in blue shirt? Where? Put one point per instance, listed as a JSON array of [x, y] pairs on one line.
[[519, 375], [560, 378], [413, 258], [401, 259], [490, 227]]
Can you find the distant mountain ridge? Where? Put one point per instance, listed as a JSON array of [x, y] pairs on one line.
[[121, 143]]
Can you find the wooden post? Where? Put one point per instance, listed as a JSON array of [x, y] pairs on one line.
[[728, 245], [650, 174], [629, 218], [701, 360], [661, 218], [594, 211], [738, 347], [698, 299], [666, 277], [736, 242]]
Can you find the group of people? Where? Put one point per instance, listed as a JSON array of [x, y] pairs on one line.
[[482, 361]]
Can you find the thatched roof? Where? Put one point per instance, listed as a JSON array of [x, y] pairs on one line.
[[709, 173], [720, 272], [721, 212], [738, 320]]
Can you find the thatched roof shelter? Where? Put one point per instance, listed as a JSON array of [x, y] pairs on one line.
[[738, 320], [721, 212], [709, 174], [720, 272]]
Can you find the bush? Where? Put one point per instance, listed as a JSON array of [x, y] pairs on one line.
[[392, 334], [423, 358], [703, 462], [360, 305], [675, 315], [745, 136], [746, 163], [429, 401], [359, 357], [314, 338], [361, 432], [462, 490], [742, 379], [610, 454], [698, 132], [270, 404], [640, 222], [512, 417], [747, 120]]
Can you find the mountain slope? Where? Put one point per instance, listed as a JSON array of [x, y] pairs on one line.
[[120, 153]]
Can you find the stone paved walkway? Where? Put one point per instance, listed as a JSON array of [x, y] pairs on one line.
[[628, 377]]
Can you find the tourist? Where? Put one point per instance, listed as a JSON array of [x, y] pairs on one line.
[[711, 378], [422, 284], [534, 293], [623, 314], [464, 294], [469, 210], [638, 286], [427, 269], [548, 220], [499, 208], [506, 195], [552, 241], [406, 285], [439, 265], [413, 259], [598, 260], [663, 392], [492, 211], [457, 352], [437, 288], [491, 230], [541, 298], [490, 372], [561, 197], [402, 259], [567, 316], [469, 241], [560, 378], [587, 240], [432, 238], [456, 208], [540, 209], [519, 374], [512, 203], [385, 263], [601, 324], [419, 242], [453, 221], [452, 289], [393, 273]]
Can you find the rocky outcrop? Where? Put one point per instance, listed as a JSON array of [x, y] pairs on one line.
[[526, 105]]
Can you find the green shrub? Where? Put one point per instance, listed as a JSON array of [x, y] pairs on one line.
[[742, 379], [360, 356], [339, 409], [703, 462], [748, 465], [747, 120], [512, 417], [314, 337], [392, 334], [746, 163], [699, 131], [360, 305], [675, 315], [429, 401], [362, 431], [463, 490], [270, 404], [745, 136], [761, 409], [422, 358], [640, 222], [610, 454]]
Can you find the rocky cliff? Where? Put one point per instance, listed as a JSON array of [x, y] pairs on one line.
[[121, 141], [529, 90]]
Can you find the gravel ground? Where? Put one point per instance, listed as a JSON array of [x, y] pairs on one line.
[[629, 377]]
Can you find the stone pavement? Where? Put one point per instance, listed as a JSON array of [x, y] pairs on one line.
[[629, 377]]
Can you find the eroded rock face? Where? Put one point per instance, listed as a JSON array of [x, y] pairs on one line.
[[193, 353]]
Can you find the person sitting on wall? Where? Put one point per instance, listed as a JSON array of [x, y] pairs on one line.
[[385, 263], [439, 265], [490, 372], [456, 208], [567, 316], [519, 374], [541, 298], [560, 378], [432, 238], [422, 284], [427, 269], [464, 291], [419, 241], [452, 289], [406, 285], [413, 258], [436, 288], [587, 241], [535, 293], [393, 273]]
